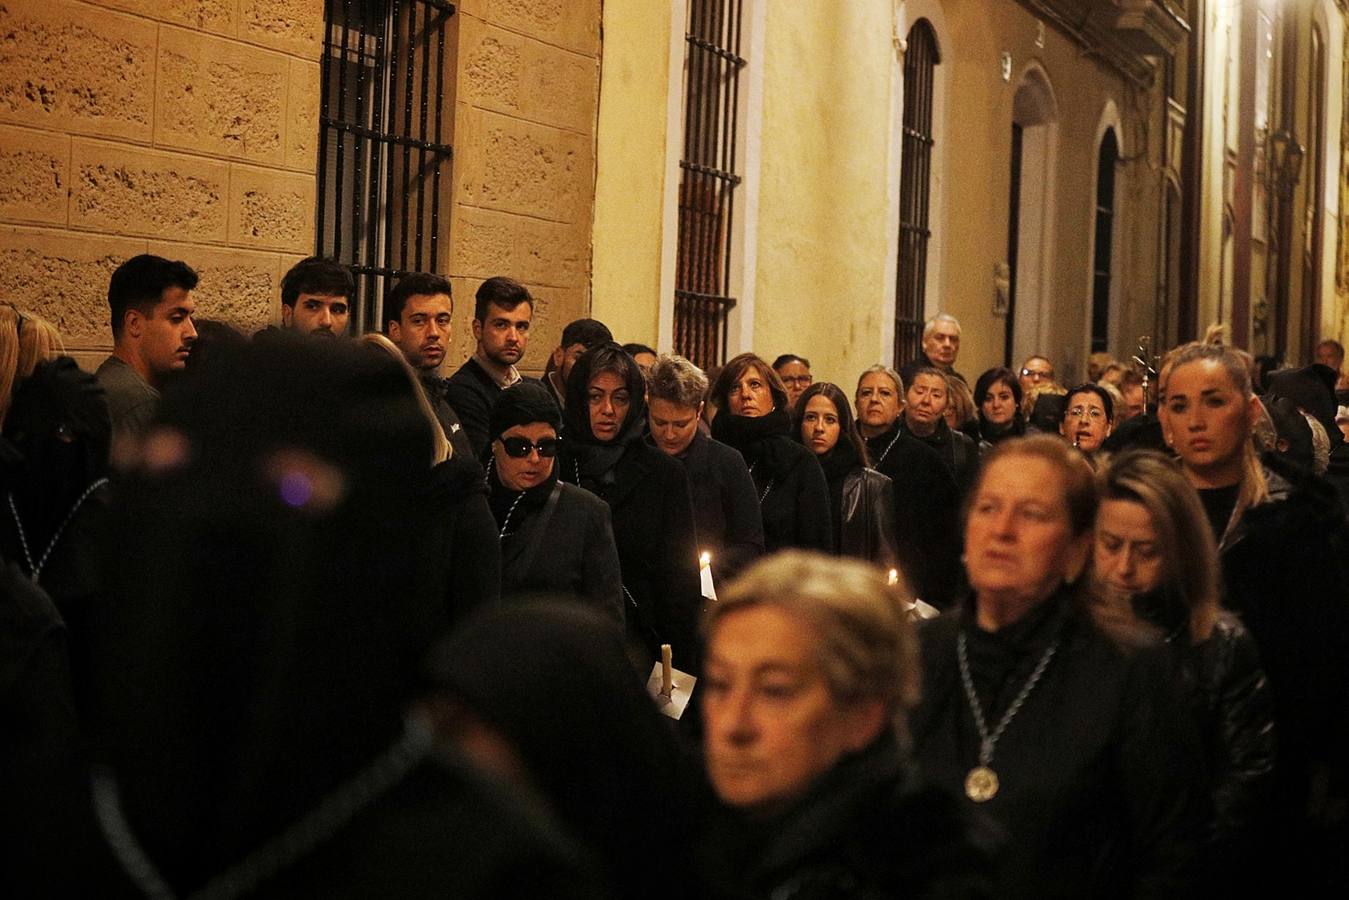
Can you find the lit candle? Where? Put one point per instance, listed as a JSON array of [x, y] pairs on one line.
[[666, 671], [705, 574], [894, 577]]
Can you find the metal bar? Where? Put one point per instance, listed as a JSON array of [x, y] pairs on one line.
[[370, 294], [325, 71], [421, 130], [407, 130], [432, 147], [712, 48], [361, 141], [391, 196], [719, 174], [435, 172], [338, 212]]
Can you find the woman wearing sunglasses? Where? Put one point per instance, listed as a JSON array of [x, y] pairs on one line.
[[555, 537], [604, 451]]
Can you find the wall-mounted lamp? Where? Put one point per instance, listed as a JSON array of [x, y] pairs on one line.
[[1285, 162]]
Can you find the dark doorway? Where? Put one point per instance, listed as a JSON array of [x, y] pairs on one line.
[[1013, 240], [1105, 236]]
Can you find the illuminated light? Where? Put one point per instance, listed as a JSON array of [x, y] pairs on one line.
[[296, 489]]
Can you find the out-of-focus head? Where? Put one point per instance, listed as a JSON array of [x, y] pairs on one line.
[[417, 314], [524, 425], [1088, 413], [748, 386], [959, 403], [809, 659], [1028, 528], [1330, 353], [795, 374], [1312, 388], [1135, 398], [1036, 370], [643, 355], [270, 593], [1097, 364], [502, 313], [879, 398], [675, 390], [151, 303], [997, 394], [1152, 535], [578, 337], [441, 449], [59, 423], [941, 339], [316, 297]]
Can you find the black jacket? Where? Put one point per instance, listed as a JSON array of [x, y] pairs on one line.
[[725, 504], [1284, 572], [1100, 773], [472, 393], [465, 537], [864, 830], [572, 552], [652, 517], [867, 517], [927, 514], [436, 390], [958, 450]]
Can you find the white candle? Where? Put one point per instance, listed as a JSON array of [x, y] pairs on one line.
[[705, 573]]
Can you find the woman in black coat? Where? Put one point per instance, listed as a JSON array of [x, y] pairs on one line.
[[753, 416], [604, 452], [1079, 750], [860, 498], [555, 537], [1155, 574], [725, 502]]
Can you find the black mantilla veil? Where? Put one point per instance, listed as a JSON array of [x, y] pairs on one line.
[[596, 458], [271, 600]]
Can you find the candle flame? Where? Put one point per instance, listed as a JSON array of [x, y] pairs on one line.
[[705, 558], [894, 577]]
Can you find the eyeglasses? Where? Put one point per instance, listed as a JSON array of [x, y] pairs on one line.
[[798, 379], [1037, 374], [1092, 413], [519, 447]]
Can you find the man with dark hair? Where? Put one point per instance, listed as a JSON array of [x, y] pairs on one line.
[[316, 297], [417, 318], [150, 299], [577, 338], [502, 312]]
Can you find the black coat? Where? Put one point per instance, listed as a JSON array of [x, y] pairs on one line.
[[465, 537], [436, 389], [958, 450], [572, 553], [927, 514], [865, 830], [866, 517], [652, 516], [1100, 772], [725, 504], [1284, 572]]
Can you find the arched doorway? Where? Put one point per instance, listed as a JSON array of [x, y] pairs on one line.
[[1029, 232]]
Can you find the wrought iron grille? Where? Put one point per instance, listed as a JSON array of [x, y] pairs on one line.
[[384, 156], [1105, 234], [708, 180], [915, 185]]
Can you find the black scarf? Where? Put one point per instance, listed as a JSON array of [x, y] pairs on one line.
[[764, 441], [595, 460], [839, 462], [997, 433], [502, 499]]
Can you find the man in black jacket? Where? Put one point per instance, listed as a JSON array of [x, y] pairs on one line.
[[502, 313], [417, 318]]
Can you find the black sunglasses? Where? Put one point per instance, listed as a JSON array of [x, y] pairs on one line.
[[519, 447]]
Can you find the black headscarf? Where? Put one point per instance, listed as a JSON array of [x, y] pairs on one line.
[[597, 458], [525, 403], [554, 678], [273, 602]]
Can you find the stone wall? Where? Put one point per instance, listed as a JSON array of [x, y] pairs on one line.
[[524, 159], [185, 128]]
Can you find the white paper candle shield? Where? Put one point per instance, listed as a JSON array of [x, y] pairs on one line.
[[705, 572]]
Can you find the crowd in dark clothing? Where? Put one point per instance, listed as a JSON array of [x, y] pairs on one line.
[[299, 616]]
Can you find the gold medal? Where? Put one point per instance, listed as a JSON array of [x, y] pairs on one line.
[[981, 785]]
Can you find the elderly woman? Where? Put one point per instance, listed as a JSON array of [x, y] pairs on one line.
[[997, 393], [1155, 569], [861, 499], [555, 538], [1088, 416], [1076, 748], [603, 451], [754, 417], [725, 504], [810, 668], [1281, 539]]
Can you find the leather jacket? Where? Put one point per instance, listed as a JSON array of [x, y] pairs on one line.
[[868, 518]]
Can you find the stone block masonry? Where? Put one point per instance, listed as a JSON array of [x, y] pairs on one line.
[[187, 128]]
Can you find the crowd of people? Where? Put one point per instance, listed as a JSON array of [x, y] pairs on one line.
[[292, 614]]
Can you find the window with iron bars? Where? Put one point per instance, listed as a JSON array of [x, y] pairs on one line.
[[915, 185], [384, 156], [708, 180]]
